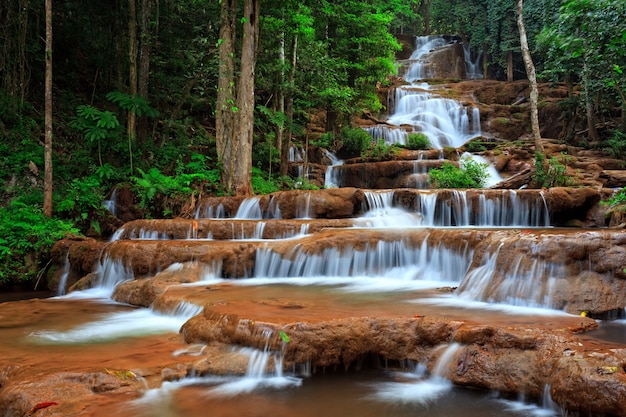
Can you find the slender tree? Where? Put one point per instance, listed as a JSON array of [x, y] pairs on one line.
[[532, 78], [47, 201], [235, 98], [131, 130]]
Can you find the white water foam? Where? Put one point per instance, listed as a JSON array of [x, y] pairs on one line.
[[135, 323], [420, 390]]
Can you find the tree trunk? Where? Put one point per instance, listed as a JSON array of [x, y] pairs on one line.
[[224, 117], [485, 61], [132, 55], [47, 196], [120, 42], [280, 101], [143, 82], [591, 119], [532, 78], [509, 67], [242, 158], [284, 158]]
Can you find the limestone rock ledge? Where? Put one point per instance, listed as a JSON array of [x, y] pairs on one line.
[[581, 376]]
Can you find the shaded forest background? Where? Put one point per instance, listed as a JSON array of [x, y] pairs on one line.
[[135, 89]]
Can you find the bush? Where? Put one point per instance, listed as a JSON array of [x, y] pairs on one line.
[[326, 140], [262, 184], [476, 146], [26, 237], [417, 141], [355, 140], [617, 144], [379, 152], [553, 176], [472, 174]]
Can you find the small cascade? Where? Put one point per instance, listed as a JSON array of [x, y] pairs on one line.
[[420, 174], [296, 154], [476, 129], [472, 64], [64, 275], [379, 212], [303, 207], [111, 203], [445, 121], [331, 178], [493, 176], [507, 210], [390, 135], [249, 209], [265, 370], [419, 389], [378, 201], [418, 69], [111, 272], [396, 260], [125, 324], [210, 212], [523, 283]]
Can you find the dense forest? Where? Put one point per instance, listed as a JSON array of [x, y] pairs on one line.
[[171, 99]]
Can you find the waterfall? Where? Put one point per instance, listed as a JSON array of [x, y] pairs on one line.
[[303, 208], [210, 212], [124, 324], [445, 121], [111, 272], [249, 209], [503, 210], [423, 45], [524, 283], [472, 66], [396, 260], [111, 203], [331, 178], [64, 275], [418, 389], [295, 154], [260, 373]]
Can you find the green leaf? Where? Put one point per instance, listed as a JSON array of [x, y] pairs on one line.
[[284, 336]]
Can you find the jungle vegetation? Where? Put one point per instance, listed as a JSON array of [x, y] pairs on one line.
[[155, 96]]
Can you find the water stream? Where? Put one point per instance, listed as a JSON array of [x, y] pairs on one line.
[[405, 263]]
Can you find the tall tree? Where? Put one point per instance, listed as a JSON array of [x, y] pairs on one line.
[[131, 128], [47, 201], [145, 46], [532, 78], [235, 117]]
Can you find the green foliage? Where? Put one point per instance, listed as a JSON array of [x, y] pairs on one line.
[[476, 146], [471, 174], [617, 145], [153, 186], [355, 140], [262, 183], [20, 147], [82, 198], [417, 141], [326, 140], [134, 104], [96, 126], [380, 152], [618, 198], [26, 236], [552, 175]]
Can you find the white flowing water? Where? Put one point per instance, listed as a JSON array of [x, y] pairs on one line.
[[331, 178], [422, 390], [444, 121], [453, 208], [64, 275]]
